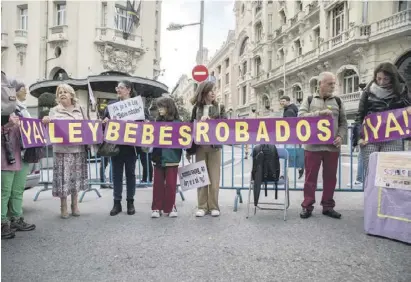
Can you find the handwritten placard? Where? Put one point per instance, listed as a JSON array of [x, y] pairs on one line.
[[193, 176], [130, 109]]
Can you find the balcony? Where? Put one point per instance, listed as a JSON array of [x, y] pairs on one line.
[[243, 78], [156, 65], [396, 25], [115, 37], [4, 41], [313, 7], [58, 34], [351, 101], [20, 37]]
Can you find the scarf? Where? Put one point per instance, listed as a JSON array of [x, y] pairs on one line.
[[382, 92]]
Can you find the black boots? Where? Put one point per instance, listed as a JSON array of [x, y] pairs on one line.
[[130, 207], [6, 231], [116, 208]]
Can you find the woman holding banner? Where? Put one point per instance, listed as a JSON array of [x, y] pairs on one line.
[[13, 167], [70, 162], [206, 107], [125, 160], [387, 91]]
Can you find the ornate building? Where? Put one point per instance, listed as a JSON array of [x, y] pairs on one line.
[[56, 40], [282, 46]]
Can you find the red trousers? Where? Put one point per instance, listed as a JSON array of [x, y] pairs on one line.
[[164, 188], [312, 163]]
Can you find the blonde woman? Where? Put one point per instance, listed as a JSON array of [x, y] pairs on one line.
[[70, 162]]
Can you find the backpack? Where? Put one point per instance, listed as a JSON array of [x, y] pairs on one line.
[[8, 96], [266, 168]]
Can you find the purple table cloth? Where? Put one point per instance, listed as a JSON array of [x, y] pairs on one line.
[[387, 211]]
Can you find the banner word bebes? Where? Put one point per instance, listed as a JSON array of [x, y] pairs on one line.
[[385, 126]]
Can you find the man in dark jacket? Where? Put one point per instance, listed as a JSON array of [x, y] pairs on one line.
[[290, 110]]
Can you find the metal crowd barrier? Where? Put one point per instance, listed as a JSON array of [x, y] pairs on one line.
[[234, 159]]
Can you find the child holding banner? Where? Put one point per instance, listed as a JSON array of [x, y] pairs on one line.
[[166, 163]]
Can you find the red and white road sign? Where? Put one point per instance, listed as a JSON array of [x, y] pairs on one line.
[[200, 73]]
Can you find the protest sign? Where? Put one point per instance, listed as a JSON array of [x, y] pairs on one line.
[[385, 126], [130, 109], [306, 130], [193, 176]]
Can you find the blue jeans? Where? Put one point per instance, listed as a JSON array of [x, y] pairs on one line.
[[360, 167], [127, 162]]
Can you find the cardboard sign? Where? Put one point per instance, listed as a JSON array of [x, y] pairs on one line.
[[193, 176], [130, 109]]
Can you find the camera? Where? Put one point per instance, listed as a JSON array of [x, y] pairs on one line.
[[8, 148]]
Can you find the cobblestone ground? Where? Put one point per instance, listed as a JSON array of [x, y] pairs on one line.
[[97, 247]]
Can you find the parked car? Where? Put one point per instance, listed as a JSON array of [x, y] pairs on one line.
[[33, 176]]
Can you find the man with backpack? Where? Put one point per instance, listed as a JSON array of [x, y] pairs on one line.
[[290, 110], [324, 103]]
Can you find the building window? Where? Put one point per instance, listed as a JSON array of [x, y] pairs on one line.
[[259, 6], [316, 39], [243, 46], [104, 14], [338, 20], [298, 48], [227, 78], [258, 32], [219, 83], [297, 93], [265, 102], [23, 18], [351, 82], [61, 14], [283, 17], [280, 55], [244, 95], [313, 86], [123, 20], [244, 69], [258, 66], [402, 5], [270, 60], [299, 5], [270, 24], [227, 63]]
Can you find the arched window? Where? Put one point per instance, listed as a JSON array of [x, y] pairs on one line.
[[350, 82], [60, 75], [298, 93], [243, 46], [265, 102], [258, 32]]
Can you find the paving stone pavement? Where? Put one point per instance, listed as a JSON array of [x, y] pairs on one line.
[[98, 247]]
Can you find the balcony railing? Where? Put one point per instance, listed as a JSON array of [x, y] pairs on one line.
[[4, 40], [350, 97], [396, 21], [20, 37], [115, 36]]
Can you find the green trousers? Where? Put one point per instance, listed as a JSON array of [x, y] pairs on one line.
[[12, 188]]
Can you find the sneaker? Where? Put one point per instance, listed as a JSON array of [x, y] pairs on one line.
[[21, 225], [6, 232], [173, 214], [200, 213], [215, 213], [155, 214]]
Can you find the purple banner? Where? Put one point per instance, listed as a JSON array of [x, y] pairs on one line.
[[385, 126], [33, 133], [64, 132], [308, 130], [149, 134]]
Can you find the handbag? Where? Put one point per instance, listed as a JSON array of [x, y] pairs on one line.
[[33, 155], [108, 150]]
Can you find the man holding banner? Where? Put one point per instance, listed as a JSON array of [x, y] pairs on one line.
[[324, 103]]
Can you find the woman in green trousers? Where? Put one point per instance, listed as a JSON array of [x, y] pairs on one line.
[[13, 170]]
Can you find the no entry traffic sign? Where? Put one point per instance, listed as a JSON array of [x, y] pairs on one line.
[[200, 73]]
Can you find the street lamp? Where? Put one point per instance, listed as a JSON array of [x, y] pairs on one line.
[[176, 26]]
